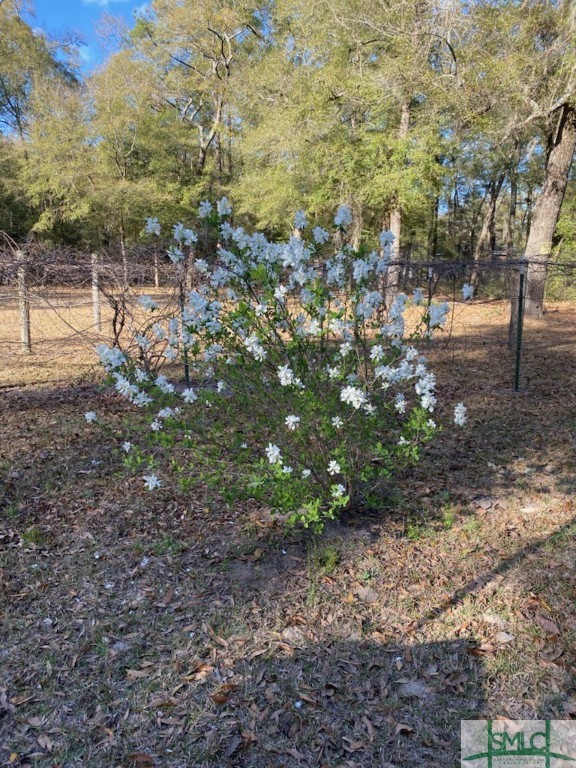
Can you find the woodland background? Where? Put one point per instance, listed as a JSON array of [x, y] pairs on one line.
[[450, 122]]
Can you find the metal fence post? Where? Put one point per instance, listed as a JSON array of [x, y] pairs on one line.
[[96, 306], [24, 304], [519, 323]]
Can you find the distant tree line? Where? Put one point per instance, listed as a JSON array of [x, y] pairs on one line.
[[451, 122]]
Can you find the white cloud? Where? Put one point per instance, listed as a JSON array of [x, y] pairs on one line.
[[142, 10], [85, 54], [102, 3]]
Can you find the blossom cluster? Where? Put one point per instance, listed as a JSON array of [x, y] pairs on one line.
[[294, 338]]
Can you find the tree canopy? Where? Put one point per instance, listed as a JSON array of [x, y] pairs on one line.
[[435, 119]]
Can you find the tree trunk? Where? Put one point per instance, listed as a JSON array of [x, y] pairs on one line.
[[510, 220], [96, 306], [484, 243], [433, 231], [561, 146], [156, 272], [123, 253], [393, 276]]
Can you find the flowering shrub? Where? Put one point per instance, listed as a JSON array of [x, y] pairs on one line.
[[305, 391]]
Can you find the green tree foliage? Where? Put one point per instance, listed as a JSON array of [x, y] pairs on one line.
[[434, 119]]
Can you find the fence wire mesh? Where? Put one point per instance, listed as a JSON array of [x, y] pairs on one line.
[[55, 306]]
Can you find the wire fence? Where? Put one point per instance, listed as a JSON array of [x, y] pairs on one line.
[[56, 305]]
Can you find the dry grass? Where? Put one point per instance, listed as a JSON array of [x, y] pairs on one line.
[[174, 630], [63, 334]]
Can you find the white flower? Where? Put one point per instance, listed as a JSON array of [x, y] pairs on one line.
[[204, 209], [124, 387], [152, 226], [369, 304], [438, 314], [286, 375], [355, 396], [223, 207], [252, 344], [292, 422], [337, 422], [460, 417], [360, 269], [178, 231], [90, 417], [226, 231], [306, 473], [260, 309], [110, 357], [346, 348], [175, 254], [418, 296], [377, 353], [151, 482], [280, 292], [170, 353], [431, 423], [126, 447], [190, 237], [287, 470], [189, 395], [164, 385], [147, 302], [142, 399], [300, 220], [343, 216], [142, 341], [202, 266], [314, 327], [467, 291], [273, 453], [386, 239], [334, 468], [338, 491], [167, 412], [402, 441], [334, 372], [400, 403], [156, 425], [320, 235], [221, 386]]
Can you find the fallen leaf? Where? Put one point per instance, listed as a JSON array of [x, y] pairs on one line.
[[223, 694], [505, 637], [234, 746], [166, 600], [141, 758], [414, 689], [547, 624], [137, 674], [21, 698], [46, 743]]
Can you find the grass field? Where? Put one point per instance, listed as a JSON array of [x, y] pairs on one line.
[[173, 629]]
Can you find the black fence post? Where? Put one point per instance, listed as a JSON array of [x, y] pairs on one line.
[[519, 324]]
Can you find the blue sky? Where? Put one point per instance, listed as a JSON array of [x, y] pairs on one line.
[[80, 17]]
